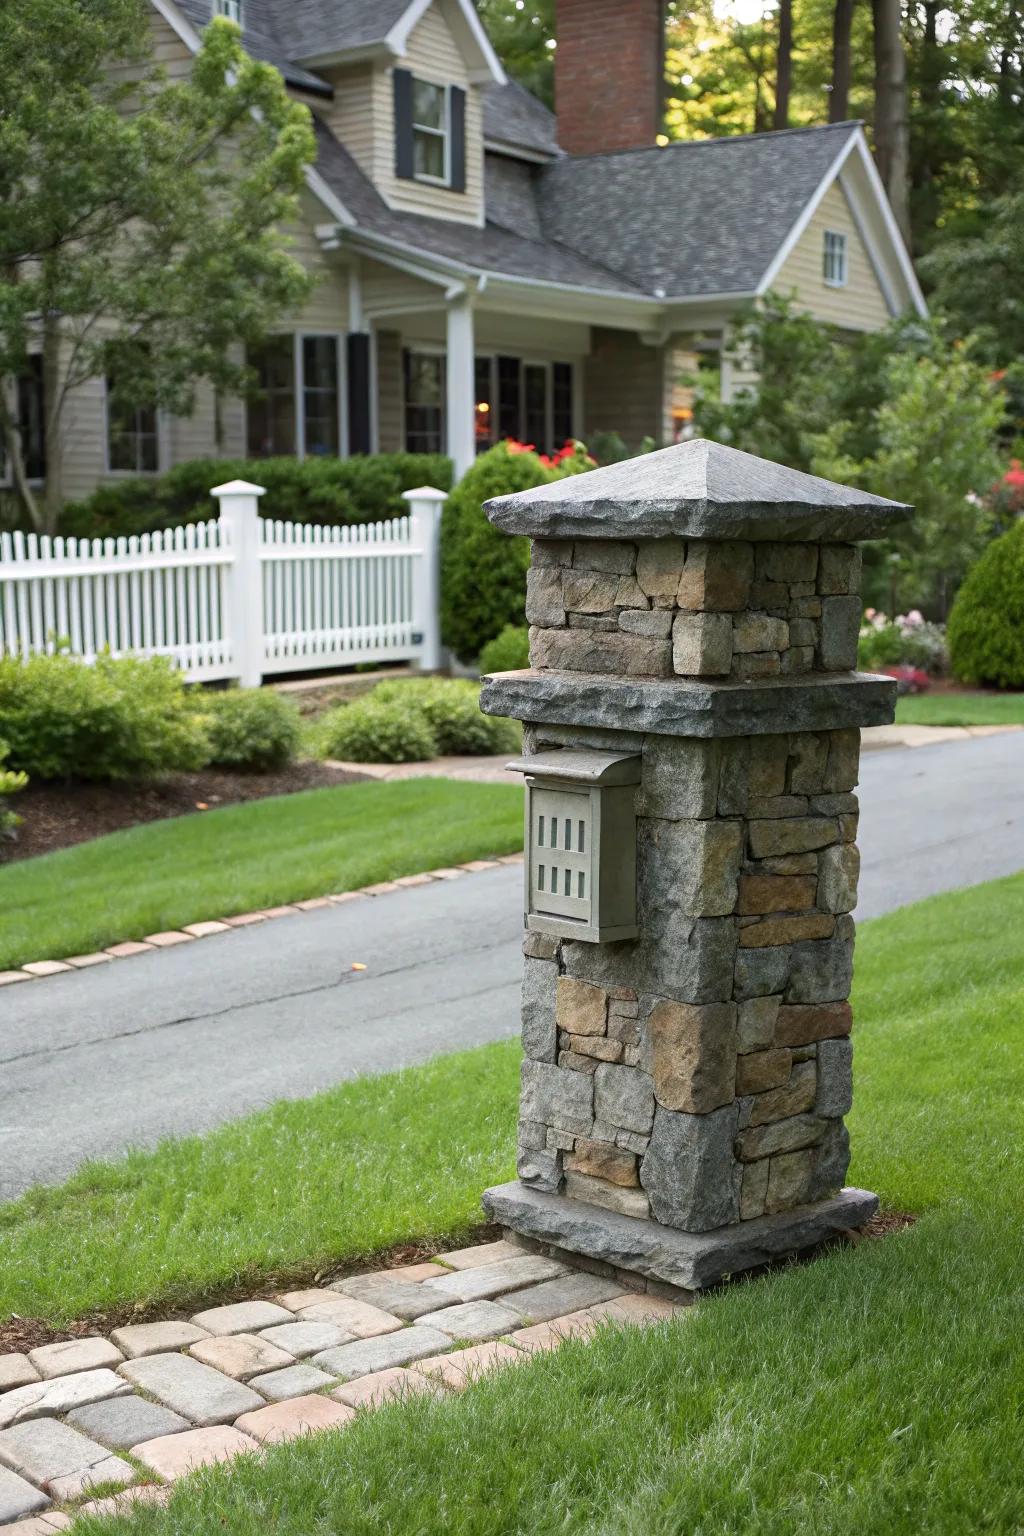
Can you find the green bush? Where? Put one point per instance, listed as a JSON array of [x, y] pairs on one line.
[[10, 784], [410, 720], [507, 652], [451, 707], [374, 730], [906, 641], [483, 571], [986, 625], [251, 729], [116, 719], [316, 490]]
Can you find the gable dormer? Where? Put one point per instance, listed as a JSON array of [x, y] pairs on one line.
[[409, 108]]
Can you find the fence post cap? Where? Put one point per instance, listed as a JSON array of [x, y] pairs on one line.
[[238, 488], [696, 490], [425, 493]]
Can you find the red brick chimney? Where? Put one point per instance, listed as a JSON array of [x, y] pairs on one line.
[[609, 74]]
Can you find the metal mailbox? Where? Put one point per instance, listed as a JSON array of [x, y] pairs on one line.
[[581, 844]]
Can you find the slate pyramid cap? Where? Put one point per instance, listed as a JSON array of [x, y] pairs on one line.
[[697, 490]]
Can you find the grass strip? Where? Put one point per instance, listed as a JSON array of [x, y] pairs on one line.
[[960, 709], [244, 857]]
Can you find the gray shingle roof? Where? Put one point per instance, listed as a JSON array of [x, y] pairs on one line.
[[309, 28], [513, 115], [490, 249], [697, 218], [262, 39]]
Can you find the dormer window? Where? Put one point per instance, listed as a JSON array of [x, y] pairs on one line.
[[431, 131], [834, 259], [232, 9]]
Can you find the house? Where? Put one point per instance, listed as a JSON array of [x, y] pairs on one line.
[[487, 269]]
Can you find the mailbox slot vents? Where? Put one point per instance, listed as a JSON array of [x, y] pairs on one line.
[[581, 844]]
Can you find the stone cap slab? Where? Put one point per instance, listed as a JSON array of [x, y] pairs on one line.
[[689, 1260], [592, 768], [696, 490], [689, 707]]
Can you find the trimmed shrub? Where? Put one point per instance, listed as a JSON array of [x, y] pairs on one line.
[[10, 784], [379, 731], [115, 719], [986, 625], [251, 729], [507, 652], [451, 707], [483, 571], [316, 490]]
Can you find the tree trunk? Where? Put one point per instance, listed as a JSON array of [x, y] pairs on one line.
[[842, 25], [784, 64], [892, 148], [53, 396]]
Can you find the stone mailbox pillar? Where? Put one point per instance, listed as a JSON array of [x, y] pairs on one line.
[[694, 617]]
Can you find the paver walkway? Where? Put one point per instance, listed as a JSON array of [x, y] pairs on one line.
[[177, 1395]]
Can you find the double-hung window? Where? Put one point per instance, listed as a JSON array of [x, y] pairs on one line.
[[834, 259], [431, 132], [424, 402], [133, 435], [295, 408], [232, 9]]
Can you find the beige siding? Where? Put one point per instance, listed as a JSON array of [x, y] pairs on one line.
[[433, 55], [391, 438], [623, 387], [351, 116], [169, 52], [860, 305]]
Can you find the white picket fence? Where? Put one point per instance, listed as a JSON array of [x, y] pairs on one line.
[[239, 596]]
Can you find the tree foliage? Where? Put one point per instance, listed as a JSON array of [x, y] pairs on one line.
[[138, 218], [900, 412]]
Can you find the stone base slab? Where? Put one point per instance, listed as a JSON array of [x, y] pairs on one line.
[[690, 707], [688, 1260]]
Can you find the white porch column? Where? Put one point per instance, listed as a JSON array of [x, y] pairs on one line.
[[460, 378]]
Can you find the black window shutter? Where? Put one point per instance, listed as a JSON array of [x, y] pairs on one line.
[[509, 412], [457, 111], [404, 164], [359, 382]]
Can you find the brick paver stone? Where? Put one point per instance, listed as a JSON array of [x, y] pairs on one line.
[[368, 1355], [16, 1371], [17, 1497], [242, 1317], [465, 1365], [298, 1416], [554, 1298], [45, 967], [118, 1503], [83, 962], [474, 1320], [188, 1387], [74, 1355], [241, 1355], [156, 1338], [293, 1381], [633, 1308], [480, 1253], [384, 1387], [48, 1399], [302, 1339], [412, 1272], [122, 1422], [356, 1318], [542, 1336], [172, 1456], [494, 1279], [39, 1525], [59, 1460], [400, 1298], [11, 978], [129, 947]]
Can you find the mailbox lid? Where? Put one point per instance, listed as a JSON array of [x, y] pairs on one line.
[[583, 767]]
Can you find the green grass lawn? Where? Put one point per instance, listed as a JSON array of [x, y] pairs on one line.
[[245, 857], [879, 1389], [961, 709]]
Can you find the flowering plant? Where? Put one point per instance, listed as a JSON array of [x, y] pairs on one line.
[[1006, 497], [908, 640], [571, 459]]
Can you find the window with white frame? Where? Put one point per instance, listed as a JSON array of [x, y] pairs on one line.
[[295, 405], [232, 9], [133, 435], [424, 401], [530, 402], [834, 259], [430, 131]]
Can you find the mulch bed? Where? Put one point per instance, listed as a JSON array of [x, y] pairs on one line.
[[60, 815]]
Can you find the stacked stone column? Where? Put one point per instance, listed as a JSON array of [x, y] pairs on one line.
[[683, 1093]]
